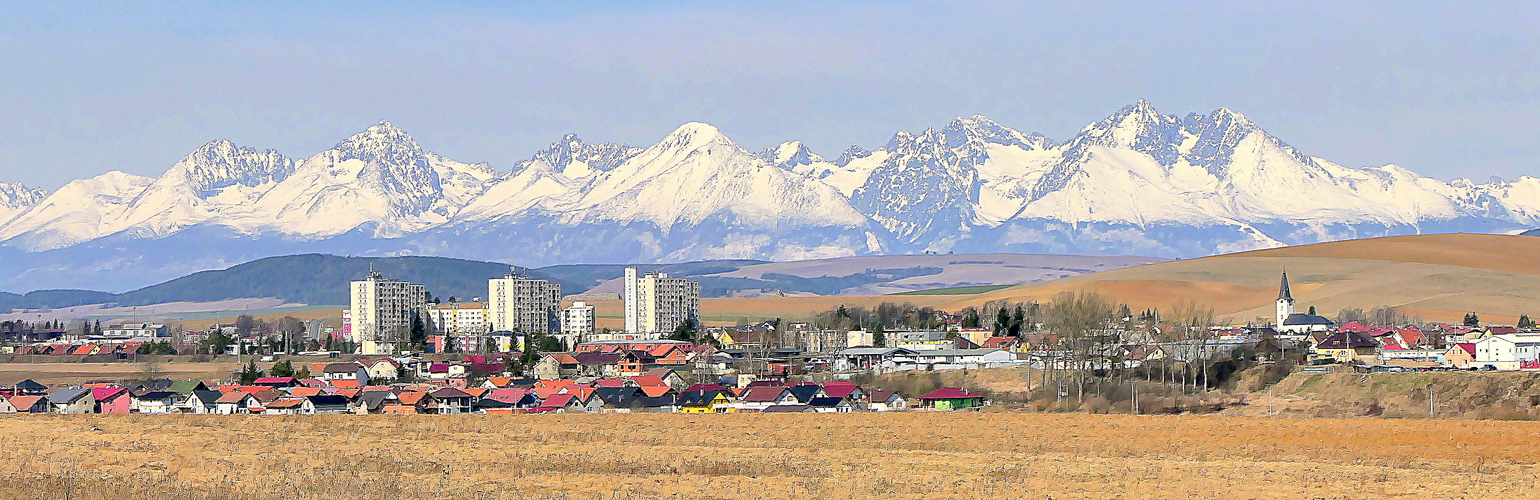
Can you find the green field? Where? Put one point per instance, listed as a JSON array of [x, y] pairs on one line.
[[961, 290]]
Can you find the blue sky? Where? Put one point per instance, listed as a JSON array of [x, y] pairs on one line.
[[1443, 89]]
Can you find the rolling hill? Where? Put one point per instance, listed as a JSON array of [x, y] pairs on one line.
[[319, 279], [1438, 277]]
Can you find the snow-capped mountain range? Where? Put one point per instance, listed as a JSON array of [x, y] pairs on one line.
[[1136, 182]]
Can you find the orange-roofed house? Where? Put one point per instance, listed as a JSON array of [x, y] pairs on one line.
[[86, 350], [234, 403], [346, 384], [654, 391], [496, 382], [302, 392], [411, 403], [284, 406], [669, 376]]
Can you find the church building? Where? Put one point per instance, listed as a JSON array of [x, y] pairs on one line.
[[1296, 323]]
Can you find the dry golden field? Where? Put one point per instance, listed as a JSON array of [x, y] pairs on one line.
[[743, 456], [1439, 277]]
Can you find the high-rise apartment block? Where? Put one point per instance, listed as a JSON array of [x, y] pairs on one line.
[[459, 318], [523, 304], [577, 323], [383, 308], [657, 303]]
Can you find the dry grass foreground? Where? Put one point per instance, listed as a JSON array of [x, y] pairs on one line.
[[1439, 277], [898, 456]]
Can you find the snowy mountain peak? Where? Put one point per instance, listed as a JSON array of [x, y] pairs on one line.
[[577, 158], [382, 138], [220, 164], [694, 135], [790, 155], [851, 154], [978, 129], [17, 196]]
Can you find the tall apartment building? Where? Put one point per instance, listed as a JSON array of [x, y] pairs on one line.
[[577, 323], [382, 308], [657, 303], [459, 318], [523, 304]]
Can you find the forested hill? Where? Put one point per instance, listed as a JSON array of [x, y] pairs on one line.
[[309, 279]]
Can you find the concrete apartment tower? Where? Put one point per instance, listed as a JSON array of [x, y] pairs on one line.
[[657, 303], [633, 318], [577, 323], [382, 308], [517, 303]]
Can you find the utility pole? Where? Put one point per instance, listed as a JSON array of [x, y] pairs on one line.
[[1430, 400]]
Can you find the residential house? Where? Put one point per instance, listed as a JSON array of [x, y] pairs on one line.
[[1460, 355], [830, 405], [202, 402], [411, 403], [72, 401], [5, 405], [186, 387], [668, 376], [285, 406], [847, 391], [951, 398], [556, 365], [235, 403], [1347, 346], [560, 403], [29, 404], [372, 402], [112, 399], [327, 404], [157, 402], [759, 398], [29, 387], [806, 392], [384, 369], [884, 400], [705, 402], [452, 401], [276, 381]]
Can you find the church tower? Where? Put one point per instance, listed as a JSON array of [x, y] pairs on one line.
[[1285, 302]]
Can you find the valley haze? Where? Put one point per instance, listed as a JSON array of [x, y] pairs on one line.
[[1137, 182]]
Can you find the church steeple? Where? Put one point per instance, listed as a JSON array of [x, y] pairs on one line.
[[1285, 303]]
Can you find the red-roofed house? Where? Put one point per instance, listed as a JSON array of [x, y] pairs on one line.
[[558, 402], [112, 399], [1460, 355]]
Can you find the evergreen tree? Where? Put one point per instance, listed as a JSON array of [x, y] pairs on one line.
[[879, 339], [419, 333], [1312, 310], [1002, 320], [1472, 320], [283, 369], [98, 327], [686, 331], [250, 373], [1525, 322]]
